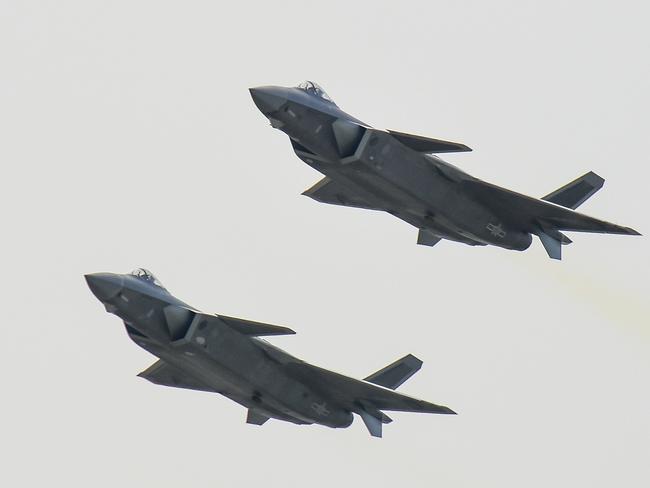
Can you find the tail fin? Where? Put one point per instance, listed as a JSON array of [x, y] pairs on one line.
[[393, 375], [552, 240], [374, 422], [574, 194], [571, 195]]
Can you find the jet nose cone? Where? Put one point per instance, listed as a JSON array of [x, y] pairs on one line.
[[104, 285], [268, 99]]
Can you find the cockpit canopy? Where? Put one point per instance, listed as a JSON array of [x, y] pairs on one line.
[[146, 275], [315, 90]]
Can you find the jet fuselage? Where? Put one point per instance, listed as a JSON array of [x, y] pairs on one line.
[[387, 174], [398, 173], [246, 369]]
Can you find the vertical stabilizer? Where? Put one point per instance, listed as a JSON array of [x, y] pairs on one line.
[[373, 424], [553, 246], [396, 373], [574, 194]]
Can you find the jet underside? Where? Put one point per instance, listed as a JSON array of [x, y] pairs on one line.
[[382, 174], [244, 370], [398, 173]]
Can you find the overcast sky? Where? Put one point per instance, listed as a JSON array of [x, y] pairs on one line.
[[128, 138]]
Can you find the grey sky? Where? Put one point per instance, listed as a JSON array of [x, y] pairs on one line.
[[129, 139]]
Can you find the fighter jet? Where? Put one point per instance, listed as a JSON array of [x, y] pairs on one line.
[[226, 355], [400, 174]]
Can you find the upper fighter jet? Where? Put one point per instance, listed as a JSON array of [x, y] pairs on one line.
[[399, 173], [221, 354]]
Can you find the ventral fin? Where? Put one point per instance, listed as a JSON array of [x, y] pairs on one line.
[[373, 424], [426, 238], [256, 418]]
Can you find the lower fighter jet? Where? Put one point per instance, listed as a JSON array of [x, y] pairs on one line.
[[225, 355], [398, 173]]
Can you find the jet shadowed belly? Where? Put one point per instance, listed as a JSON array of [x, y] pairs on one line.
[[399, 173], [226, 355]]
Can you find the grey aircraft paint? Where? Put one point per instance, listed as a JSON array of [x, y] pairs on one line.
[[221, 354], [398, 173]]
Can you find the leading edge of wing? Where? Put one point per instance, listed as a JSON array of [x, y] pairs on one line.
[[351, 392], [252, 328], [529, 211], [428, 145]]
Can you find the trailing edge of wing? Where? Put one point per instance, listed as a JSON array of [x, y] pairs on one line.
[[428, 145]]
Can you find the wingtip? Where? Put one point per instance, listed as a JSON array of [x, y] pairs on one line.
[[595, 179], [445, 410], [414, 359]]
